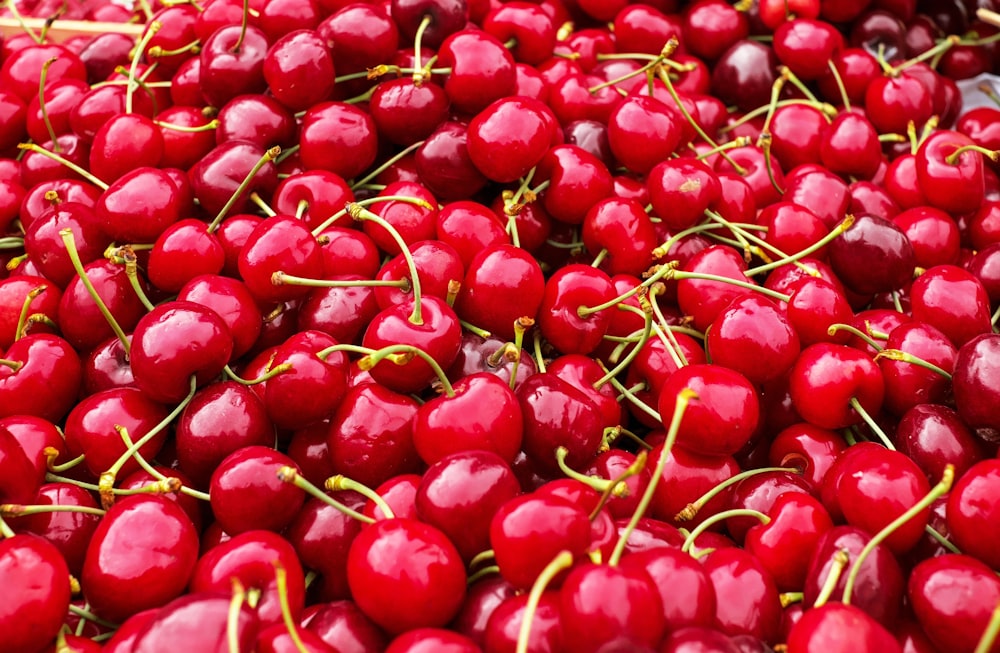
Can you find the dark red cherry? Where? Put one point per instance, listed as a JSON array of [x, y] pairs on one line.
[[744, 73], [232, 63], [973, 381]]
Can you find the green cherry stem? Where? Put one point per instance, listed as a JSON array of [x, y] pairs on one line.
[[19, 510], [107, 478], [680, 275], [721, 516], [952, 159], [280, 278], [561, 561], [41, 103], [596, 483], [684, 398], [140, 47], [291, 475], [6, 530], [270, 373], [660, 272], [387, 164], [616, 487], [403, 354], [689, 511], [479, 574], [70, 243], [22, 317], [840, 560], [941, 539], [872, 424], [360, 213], [841, 227], [31, 147], [906, 357], [521, 325], [853, 330], [840, 84], [132, 273], [341, 482], [268, 157], [233, 615], [418, 76], [939, 490], [647, 330], [985, 643], [629, 396], [281, 580]]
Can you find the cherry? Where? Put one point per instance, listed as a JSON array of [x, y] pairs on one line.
[[526, 536], [246, 493], [557, 414], [251, 557], [233, 302], [950, 622], [950, 175], [40, 377], [747, 597], [705, 299], [176, 346], [504, 625], [279, 244], [841, 628], [508, 137], [502, 283], [933, 234], [935, 436], [258, 119], [965, 313], [687, 476], [743, 75], [125, 142], [371, 435], [321, 534], [183, 251], [970, 512], [232, 63], [469, 228], [785, 544], [121, 581], [22, 68], [973, 384], [60, 99], [482, 69], [828, 379], [13, 117], [32, 612], [753, 328], [851, 147], [533, 29], [342, 624], [192, 619], [893, 102], [41, 298], [577, 180], [217, 178], [907, 384], [429, 598], [879, 586]]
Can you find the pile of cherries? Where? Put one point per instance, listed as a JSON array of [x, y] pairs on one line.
[[467, 325]]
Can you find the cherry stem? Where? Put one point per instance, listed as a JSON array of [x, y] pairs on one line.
[[539, 359], [392, 352], [648, 68], [853, 330], [341, 482], [790, 598], [786, 72], [12, 7], [689, 511], [906, 357], [647, 330], [617, 487], [635, 401], [684, 398], [233, 616], [243, 28], [931, 53], [776, 88], [941, 539], [41, 102], [985, 644], [212, 125], [721, 516], [268, 157], [360, 213], [132, 273], [387, 164], [19, 510], [170, 485], [269, 374], [666, 336], [468, 326], [482, 573], [354, 349], [22, 318], [51, 453], [279, 278], [952, 159], [12, 364], [281, 580], [840, 84], [840, 560], [876, 429], [419, 75], [665, 78], [939, 490], [140, 47], [64, 162], [291, 475], [194, 47], [521, 325], [739, 141], [988, 91], [767, 292], [841, 227], [90, 616], [561, 561], [482, 557], [826, 109], [6, 530], [661, 271], [995, 318], [596, 483], [70, 243], [107, 479], [11, 242], [765, 146]]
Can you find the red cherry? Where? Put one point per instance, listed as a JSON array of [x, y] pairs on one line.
[[422, 582], [949, 621], [751, 329], [40, 377], [508, 137], [193, 619], [502, 283], [951, 178], [972, 510], [121, 581], [246, 493], [279, 244], [232, 63], [840, 628], [748, 600], [825, 379], [37, 601], [251, 557], [952, 300], [337, 137]]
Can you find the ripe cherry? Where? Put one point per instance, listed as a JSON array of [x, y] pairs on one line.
[[32, 612]]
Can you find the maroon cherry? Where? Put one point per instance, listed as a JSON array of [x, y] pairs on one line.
[[975, 391]]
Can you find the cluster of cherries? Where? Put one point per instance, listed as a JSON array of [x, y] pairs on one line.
[[457, 326]]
